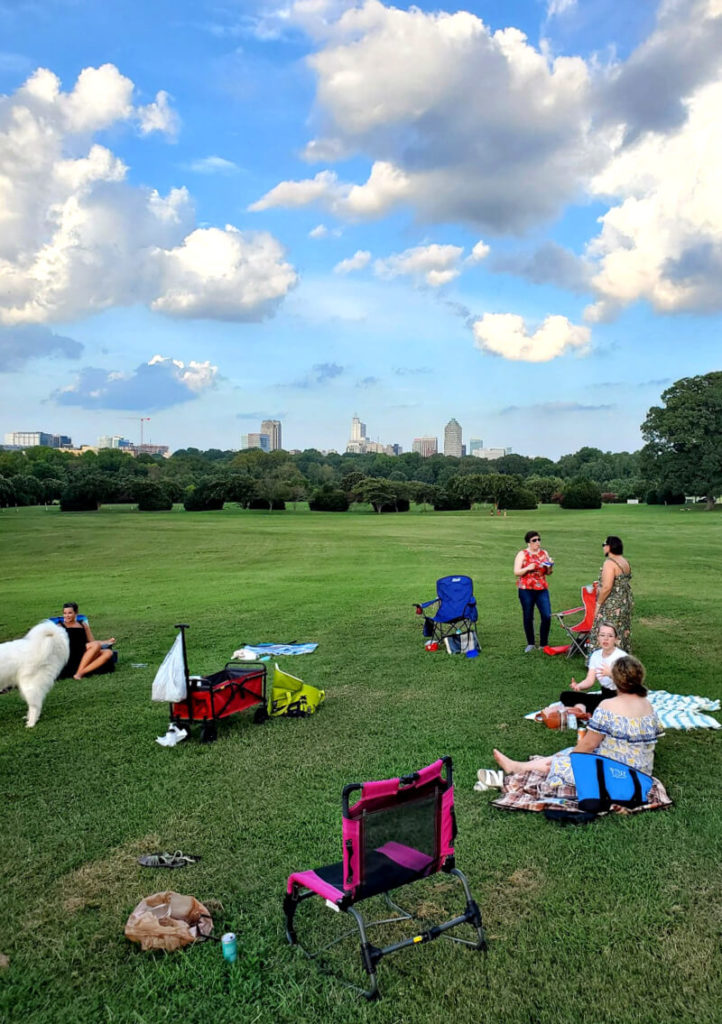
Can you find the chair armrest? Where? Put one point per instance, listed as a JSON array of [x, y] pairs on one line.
[[426, 604], [569, 611]]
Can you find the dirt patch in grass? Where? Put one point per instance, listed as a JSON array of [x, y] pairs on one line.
[[112, 879], [658, 622], [512, 899]]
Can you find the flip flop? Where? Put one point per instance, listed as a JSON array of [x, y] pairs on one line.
[[167, 860]]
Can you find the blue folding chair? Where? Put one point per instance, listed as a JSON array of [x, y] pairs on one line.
[[455, 610]]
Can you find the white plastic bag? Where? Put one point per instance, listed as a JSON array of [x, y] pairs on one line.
[[169, 684]]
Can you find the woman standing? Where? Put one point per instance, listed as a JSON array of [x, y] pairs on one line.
[[615, 600], [532, 565]]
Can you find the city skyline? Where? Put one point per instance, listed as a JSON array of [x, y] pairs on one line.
[[267, 219]]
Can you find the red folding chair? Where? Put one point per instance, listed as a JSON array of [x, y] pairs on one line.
[[398, 831], [578, 633]]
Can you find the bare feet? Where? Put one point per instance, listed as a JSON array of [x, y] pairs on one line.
[[77, 677], [505, 763]]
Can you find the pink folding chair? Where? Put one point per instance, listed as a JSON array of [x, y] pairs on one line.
[[398, 831]]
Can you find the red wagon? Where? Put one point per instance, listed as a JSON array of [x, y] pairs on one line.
[[214, 697]]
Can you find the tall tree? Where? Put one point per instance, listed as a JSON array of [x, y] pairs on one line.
[[684, 437]]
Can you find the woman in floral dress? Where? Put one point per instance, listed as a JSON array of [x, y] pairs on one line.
[[625, 728], [615, 601]]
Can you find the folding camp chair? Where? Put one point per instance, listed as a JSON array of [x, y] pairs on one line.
[[579, 633], [398, 831], [455, 612]]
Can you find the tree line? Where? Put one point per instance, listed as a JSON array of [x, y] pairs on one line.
[[682, 454]]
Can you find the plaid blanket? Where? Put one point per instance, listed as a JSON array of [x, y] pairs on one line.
[[529, 791]]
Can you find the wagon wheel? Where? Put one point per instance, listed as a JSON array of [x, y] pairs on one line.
[[261, 715], [209, 732]]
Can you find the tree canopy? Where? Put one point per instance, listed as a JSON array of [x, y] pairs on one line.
[[683, 450]]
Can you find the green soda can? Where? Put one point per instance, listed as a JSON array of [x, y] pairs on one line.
[[229, 947]]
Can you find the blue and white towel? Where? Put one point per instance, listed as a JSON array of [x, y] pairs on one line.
[[280, 649], [683, 711], [674, 710]]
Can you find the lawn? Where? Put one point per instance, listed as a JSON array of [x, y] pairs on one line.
[[611, 923]]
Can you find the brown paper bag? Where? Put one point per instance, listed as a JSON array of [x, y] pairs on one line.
[[168, 920]]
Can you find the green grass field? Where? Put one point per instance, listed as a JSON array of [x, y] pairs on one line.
[[611, 923]]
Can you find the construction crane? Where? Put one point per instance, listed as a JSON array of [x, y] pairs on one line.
[[143, 419]]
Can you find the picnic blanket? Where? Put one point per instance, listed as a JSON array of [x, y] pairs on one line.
[[529, 791], [279, 649], [675, 711]]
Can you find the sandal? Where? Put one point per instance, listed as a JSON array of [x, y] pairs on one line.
[[489, 778], [167, 860]]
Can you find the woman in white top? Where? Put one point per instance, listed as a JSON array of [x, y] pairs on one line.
[[600, 671]]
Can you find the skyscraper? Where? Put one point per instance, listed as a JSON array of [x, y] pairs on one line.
[[273, 429], [261, 441], [425, 446], [475, 445], [452, 438]]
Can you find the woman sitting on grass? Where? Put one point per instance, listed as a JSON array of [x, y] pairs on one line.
[[87, 655], [601, 662], [625, 728]]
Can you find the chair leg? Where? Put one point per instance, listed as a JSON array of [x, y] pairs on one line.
[[472, 915]]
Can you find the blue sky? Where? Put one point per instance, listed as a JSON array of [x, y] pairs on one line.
[[213, 213]]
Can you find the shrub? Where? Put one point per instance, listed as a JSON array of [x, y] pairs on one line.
[[652, 498], [152, 497], [327, 499], [80, 496], [446, 502], [609, 497], [204, 497], [582, 494], [667, 497], [522, 498]]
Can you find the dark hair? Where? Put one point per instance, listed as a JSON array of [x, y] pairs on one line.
[[628, 676], [529, 534], [615, 545], [608, 625], [71, 604]]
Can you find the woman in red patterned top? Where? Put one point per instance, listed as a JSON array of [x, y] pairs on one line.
[[532, 565]]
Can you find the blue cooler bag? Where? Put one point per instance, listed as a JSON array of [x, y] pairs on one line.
[[601, 782]]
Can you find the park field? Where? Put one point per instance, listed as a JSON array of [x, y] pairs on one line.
[[617, 922]]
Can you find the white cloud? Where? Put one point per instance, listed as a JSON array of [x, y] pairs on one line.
[[506, 334], [320, 231], [663, 241], [213, 165], [358, 261], [480, 251], [433, 264], [226, 275], [557, 7], [460, 122], [76, 237], [158, 117]]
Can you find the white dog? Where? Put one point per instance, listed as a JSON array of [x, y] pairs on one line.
[[33, 664]]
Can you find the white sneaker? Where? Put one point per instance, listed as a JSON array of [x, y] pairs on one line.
[[528, 648], [173, 736]]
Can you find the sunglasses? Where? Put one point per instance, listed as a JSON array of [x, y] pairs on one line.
[[534, 540]]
